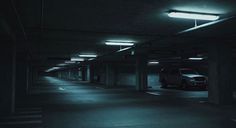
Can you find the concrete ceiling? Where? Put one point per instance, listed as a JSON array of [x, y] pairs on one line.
[[62, 28]]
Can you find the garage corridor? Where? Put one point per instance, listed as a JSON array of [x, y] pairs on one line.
[[73, 104], [117, 64]]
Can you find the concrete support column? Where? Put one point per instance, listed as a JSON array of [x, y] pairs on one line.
[[91, 73], [141, 73], [220, 74], [7, 79], [110, 79], [83, 71]]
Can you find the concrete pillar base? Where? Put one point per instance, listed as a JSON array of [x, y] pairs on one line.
[[220, 74], [141, 73]]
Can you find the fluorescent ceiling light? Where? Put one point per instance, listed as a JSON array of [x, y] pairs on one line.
[[153, 62], [195, 58], [61, 64], [76, 59], [124, 41], [52, 69], [70, 62], [88, 55], [193, 15], [120, 42]]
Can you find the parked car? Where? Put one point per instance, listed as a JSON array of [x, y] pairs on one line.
[[182, 78]]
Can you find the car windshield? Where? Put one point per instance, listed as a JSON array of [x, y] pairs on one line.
[[188, 71]]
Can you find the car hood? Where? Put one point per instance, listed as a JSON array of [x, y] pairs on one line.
[[192, 75]]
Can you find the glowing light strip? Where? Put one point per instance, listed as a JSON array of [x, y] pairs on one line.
[[153, 62], [119, 44], [89, 56], [196, 16], [195, 58], [76, 59]]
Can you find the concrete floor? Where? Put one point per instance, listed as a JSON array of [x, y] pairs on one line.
[[68, 104]]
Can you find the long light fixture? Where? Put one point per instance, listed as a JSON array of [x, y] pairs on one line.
[[52, 69], [153, 62], [193, 15], [76, 59], [195, 58], [62, 64], [120, 42], [70, 62], [88, 55]]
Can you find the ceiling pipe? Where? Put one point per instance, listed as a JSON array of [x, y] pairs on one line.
[[196, 27]]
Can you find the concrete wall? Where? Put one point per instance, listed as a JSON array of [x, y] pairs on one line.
[[126, 75], [70, 74]]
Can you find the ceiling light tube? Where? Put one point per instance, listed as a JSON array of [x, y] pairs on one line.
[[153, 62], [62, 64], [76, 59], [119, 43], [123, 41], [195, 58], [70, 62], [193, 15], [52, 69], [88, 55]]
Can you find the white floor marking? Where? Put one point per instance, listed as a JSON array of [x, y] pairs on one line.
[[61, 88], [154, 93]]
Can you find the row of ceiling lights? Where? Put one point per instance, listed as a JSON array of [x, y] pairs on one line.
[[130, 43]]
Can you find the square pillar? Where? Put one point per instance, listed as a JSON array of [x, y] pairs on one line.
[[220, 74], [141, 73], [91, 73], [83, 73], [110, 79]]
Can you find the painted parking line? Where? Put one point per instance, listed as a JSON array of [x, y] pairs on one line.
[[21, 122], [61, 88], [154, 93]]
